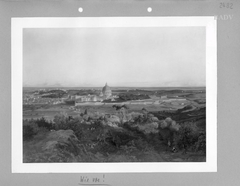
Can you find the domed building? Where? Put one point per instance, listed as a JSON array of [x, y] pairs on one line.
[[106, 91]]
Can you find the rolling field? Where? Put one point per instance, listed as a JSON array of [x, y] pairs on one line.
[[50, 111], [196, 98]]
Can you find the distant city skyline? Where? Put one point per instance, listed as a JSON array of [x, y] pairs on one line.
[[122, 57]]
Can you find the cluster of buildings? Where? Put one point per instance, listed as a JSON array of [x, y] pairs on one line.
[[105, 94]]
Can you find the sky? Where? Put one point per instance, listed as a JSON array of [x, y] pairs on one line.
[[122, 57]]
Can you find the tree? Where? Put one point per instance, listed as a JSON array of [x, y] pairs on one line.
[[60, 121], [117, 107], [28, 132], [125, 106], [145, 111], [42, 122], [122, 111]]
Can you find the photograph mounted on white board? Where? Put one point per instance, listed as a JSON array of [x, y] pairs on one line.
[[109, 94]]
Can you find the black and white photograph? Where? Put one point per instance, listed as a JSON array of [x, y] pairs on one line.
[[115, 90]]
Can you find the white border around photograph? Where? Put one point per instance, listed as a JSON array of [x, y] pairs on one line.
[[17, 26]]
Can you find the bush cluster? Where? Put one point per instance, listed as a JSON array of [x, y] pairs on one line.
[[32, 127], [98, 140], [127, 97], [189, 138], [28, 132]]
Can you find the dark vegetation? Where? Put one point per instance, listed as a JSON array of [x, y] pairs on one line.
[[190, 138], [32, 107], [181, 115], [128, 97], [179, 93], [69, 102], [93, 140], [200, 101], [52, 93], [33, 126]]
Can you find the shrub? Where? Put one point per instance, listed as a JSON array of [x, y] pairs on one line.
[[200, 145], [60, 121], [133, 128], [28, 132], [43, 123], [34, 126], [188, 138], [141, 144]]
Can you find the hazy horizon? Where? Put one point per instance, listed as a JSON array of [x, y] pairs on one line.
[[112, 86], [100, 87], [123, 57]]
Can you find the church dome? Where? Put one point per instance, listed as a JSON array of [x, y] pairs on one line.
[[106, 90]]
